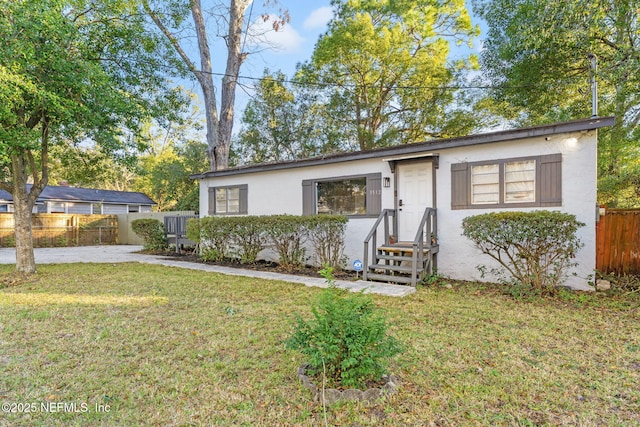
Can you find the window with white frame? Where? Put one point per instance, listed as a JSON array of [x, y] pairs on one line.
[[485, 184], [228, 200], [534, 181], [520, 181]]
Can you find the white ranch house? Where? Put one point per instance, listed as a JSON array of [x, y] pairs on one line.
[[437, 182]]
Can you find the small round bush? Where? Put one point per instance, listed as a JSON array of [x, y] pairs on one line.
[[152, 233], [347, 337], [534, 248]]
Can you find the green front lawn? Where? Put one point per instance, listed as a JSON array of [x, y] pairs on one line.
[[165, 346]]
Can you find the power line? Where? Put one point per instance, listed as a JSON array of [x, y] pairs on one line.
[[353, 86]]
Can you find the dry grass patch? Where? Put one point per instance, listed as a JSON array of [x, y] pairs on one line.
[[165, 346]]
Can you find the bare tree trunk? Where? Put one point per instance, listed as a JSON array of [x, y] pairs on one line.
[[219, 129], [235, 58], [205, 78], [23, 162], [23, 204]]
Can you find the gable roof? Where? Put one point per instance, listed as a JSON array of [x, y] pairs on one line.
[[420, 147], [79, 194]]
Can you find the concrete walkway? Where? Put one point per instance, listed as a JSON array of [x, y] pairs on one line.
[[126, 253]]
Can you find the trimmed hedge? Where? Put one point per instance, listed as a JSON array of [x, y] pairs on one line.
[[535, 248], [326, 234], [152, 233], [244, 237]]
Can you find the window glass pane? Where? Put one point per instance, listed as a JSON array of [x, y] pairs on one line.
[[348, 197], [221, 200], [56, 207], [233, 200], [519, 182], [485, 184]]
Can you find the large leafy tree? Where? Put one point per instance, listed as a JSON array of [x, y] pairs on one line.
[[537, 55], [171, 18], [164, 174], [389, 62], [82, 166], [71, 71], [285, 120]]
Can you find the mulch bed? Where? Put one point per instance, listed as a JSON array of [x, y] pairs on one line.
[[262, 265]]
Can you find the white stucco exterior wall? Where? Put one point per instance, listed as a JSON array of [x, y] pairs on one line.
[[280, 192], [458, 257]]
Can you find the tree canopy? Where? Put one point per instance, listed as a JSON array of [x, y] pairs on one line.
[[171, 18], [72, 72], [537, 55], [389, 62]]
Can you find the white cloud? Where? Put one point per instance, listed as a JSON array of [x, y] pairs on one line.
[[284, 41], [318, 18]]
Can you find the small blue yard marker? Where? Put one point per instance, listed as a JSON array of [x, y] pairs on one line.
[[357, 266]]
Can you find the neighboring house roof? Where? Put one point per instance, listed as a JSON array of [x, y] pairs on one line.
[[78, 194], [408, 149]]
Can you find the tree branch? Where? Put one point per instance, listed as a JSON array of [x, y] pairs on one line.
[[170, 36]]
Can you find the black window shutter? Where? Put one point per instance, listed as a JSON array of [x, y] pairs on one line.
[[551, 180], [308, 198], [212, 200], [244, 208], [374, 194], [459, 185]]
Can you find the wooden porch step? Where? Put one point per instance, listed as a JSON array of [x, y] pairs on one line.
[[398, 258], [377, 277], [391, 267], [400, 247]]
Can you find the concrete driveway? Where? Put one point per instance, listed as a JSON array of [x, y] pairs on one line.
[[125, 253], [103, 254]]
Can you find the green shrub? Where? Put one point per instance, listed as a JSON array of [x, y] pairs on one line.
[[248, 237], [152, 233], [534, 248], [244, 237], [287, 235], [347, 337], [214, 238], [10, 242], [326, 233], [193, 230]]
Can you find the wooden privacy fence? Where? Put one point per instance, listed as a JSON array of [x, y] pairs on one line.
[[618, 241], [51, 230]]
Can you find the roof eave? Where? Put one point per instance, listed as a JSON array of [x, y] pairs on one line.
[[499, 136]]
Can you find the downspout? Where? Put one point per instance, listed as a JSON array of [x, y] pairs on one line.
[[594, 84]]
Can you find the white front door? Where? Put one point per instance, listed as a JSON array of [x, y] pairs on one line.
[[415, 194]]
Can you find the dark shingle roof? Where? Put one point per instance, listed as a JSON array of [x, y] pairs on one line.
[[77, 194], [408, 149]]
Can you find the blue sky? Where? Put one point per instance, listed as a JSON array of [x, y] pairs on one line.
[[284, 49], [295, 42]]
